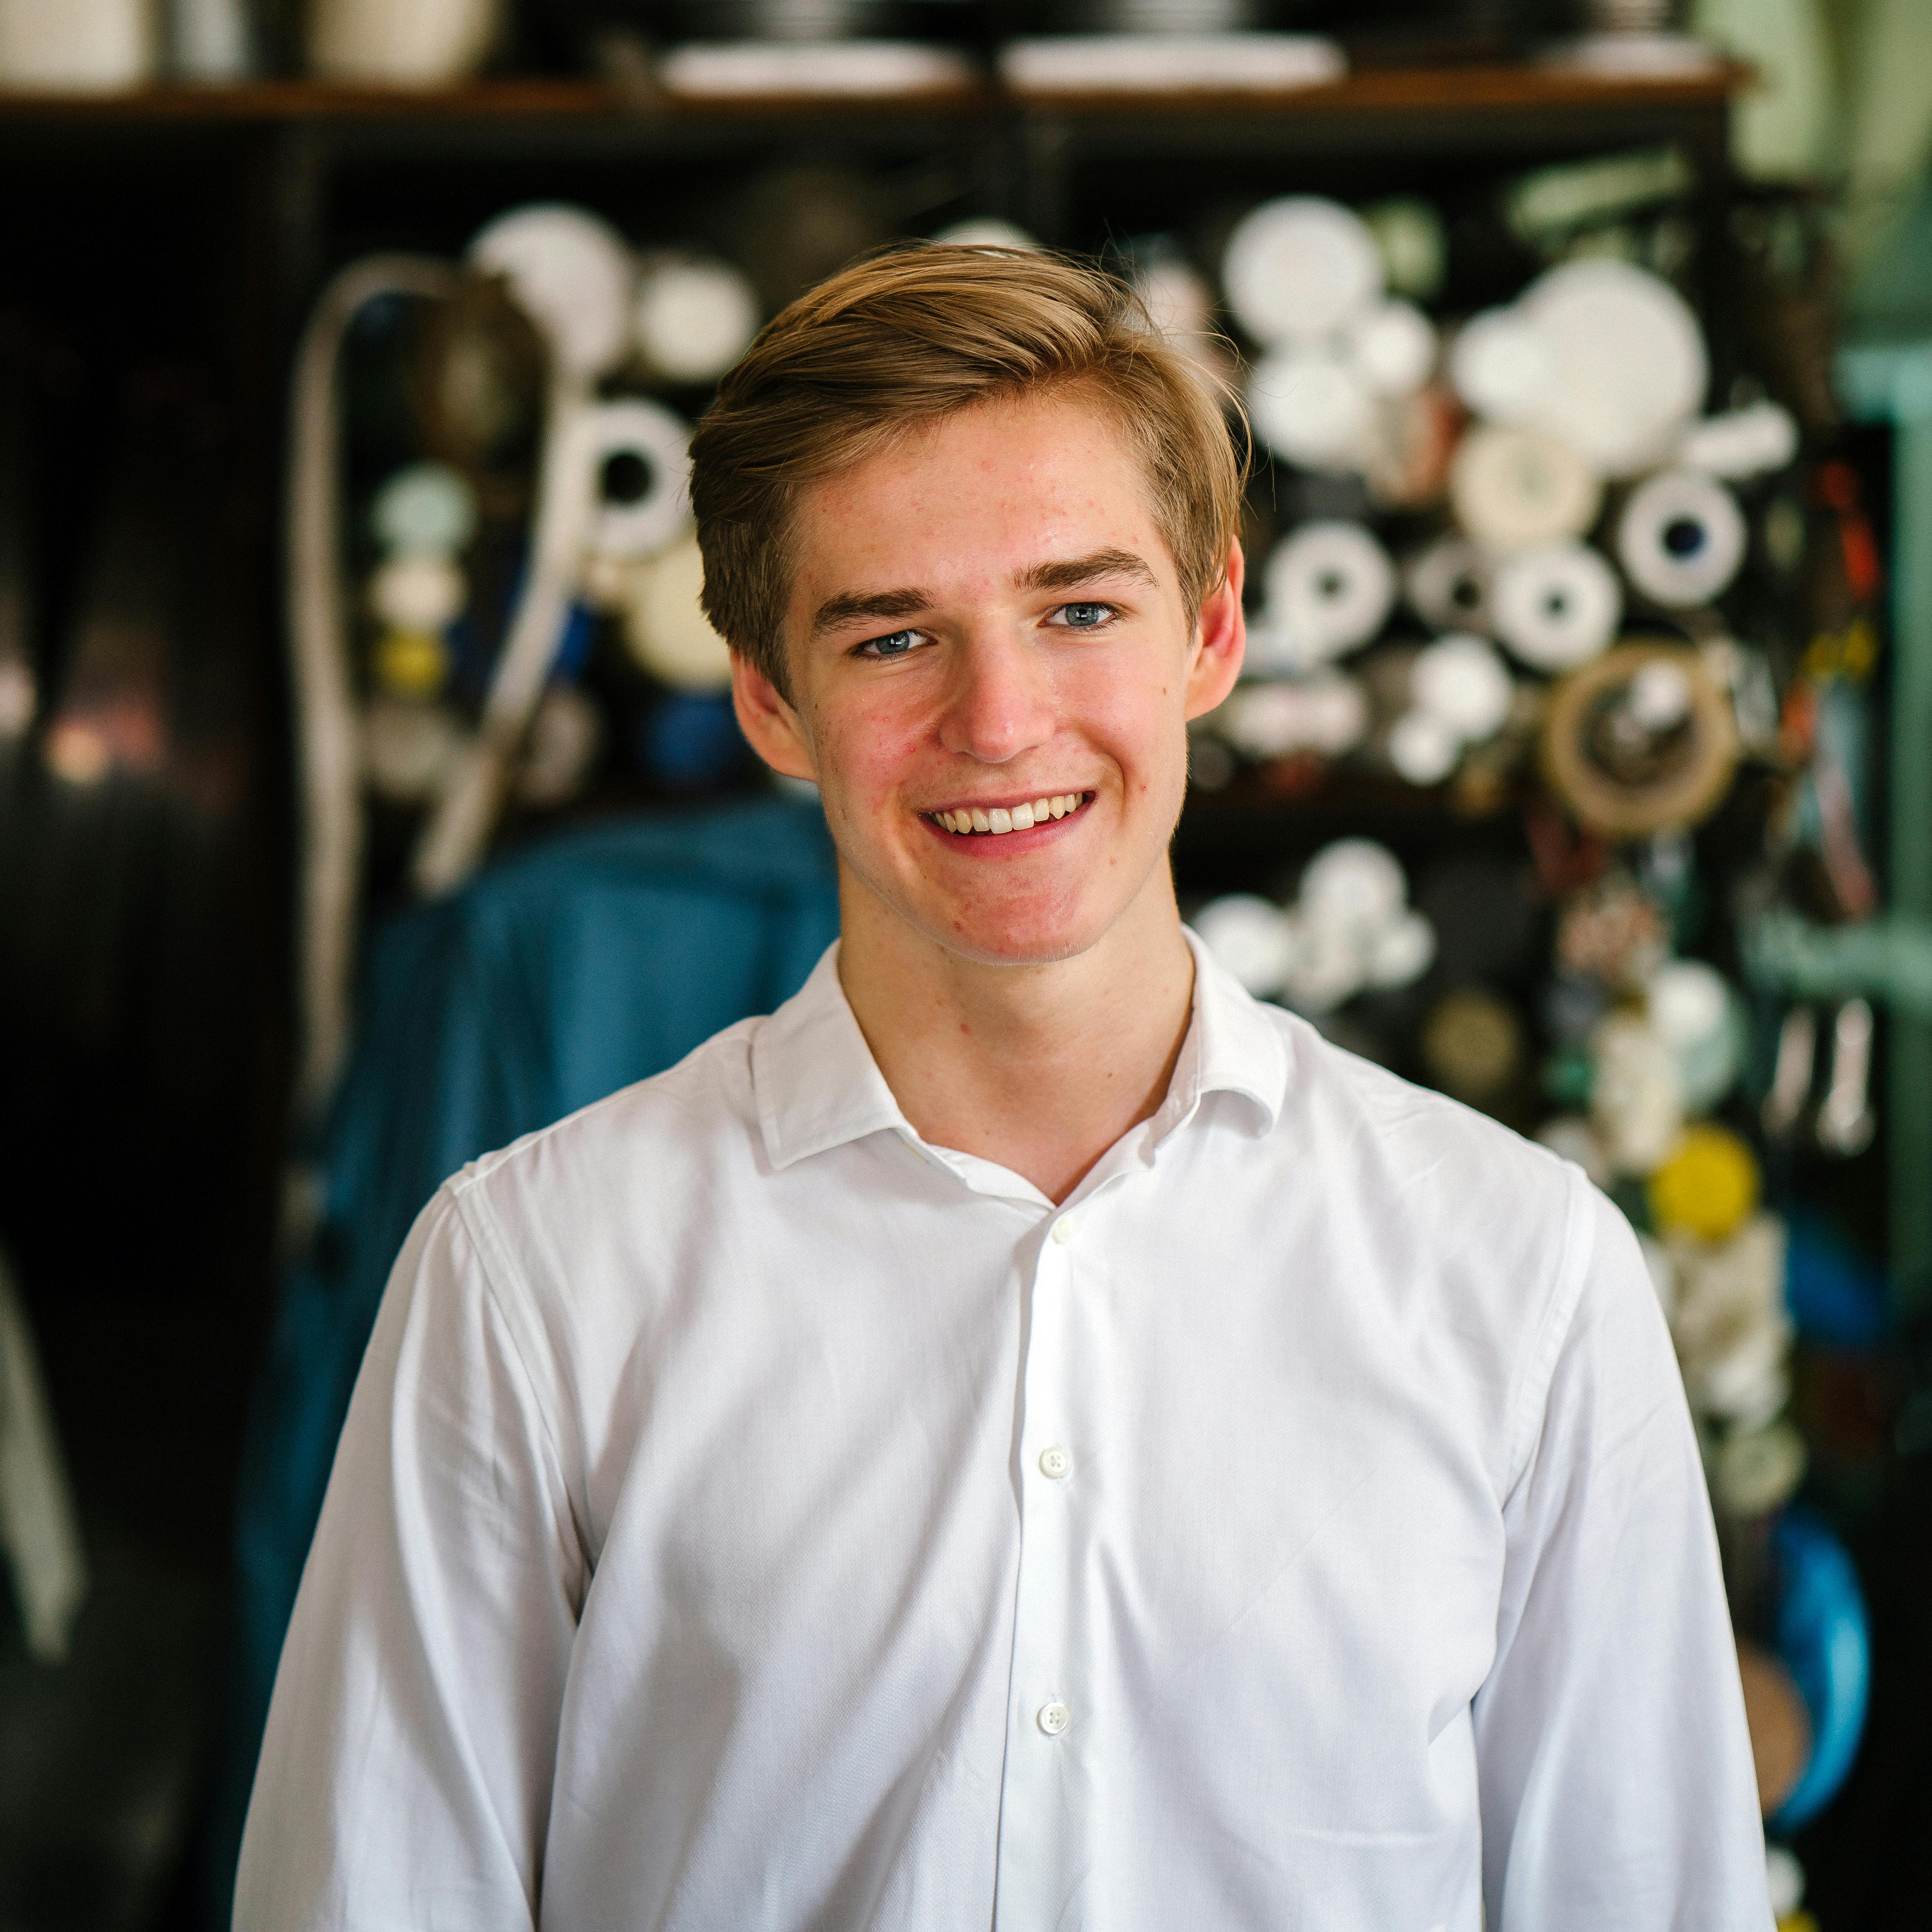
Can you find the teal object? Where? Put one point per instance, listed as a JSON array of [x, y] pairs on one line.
[[1891, 382], [1824, 1639], [560, 976]]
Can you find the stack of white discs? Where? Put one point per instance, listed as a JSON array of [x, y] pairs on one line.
[[1305, 281], [1350, 930]]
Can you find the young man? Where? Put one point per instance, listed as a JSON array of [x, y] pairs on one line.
[[1025, 1435]]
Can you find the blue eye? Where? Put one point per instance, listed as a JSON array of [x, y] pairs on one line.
[[1085, 616], [895, 646]]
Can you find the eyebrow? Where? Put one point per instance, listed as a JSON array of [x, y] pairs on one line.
[[1062, 574]]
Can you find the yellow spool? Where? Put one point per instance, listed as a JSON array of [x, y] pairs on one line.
[[1708, 1187], [411, 664]]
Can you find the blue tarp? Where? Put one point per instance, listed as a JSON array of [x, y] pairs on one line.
[[565, 973]]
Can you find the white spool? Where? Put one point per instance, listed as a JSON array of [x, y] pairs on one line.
[[1749, 442], [1630, 367], [426, 510], [572, 274], [667, 633], [1355, 886], [1461, 682], [1312, 408], [1513, 488], [1423, 748], [1681, 538], [1324, 715], [417, 593], [1401, 952], [1448, 585], [1557, 606], [84, 46], [427, 43], [1252, 937], [631, 526], [693, 318], [1394, 347], [1501, 368], [1300, 267], [1330, 587], [409, 749]]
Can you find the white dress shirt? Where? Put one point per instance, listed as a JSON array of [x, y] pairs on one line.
[[750, 1516]]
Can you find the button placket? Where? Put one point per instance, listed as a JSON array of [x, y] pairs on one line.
[[1034, 1833]]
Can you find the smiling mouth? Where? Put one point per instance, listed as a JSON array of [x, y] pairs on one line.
[[972, 822]]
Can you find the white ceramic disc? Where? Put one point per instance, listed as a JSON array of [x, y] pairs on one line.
[[1423, 748], [417, 593], [1461, 682], [1681, 538], [1558, 606], [669, 634], [1393, 346], [1447, 584], [1312, 409], [426, 510], [641, 474], [1512, 488], [694, 319], [1354, 885], [1298, 268], [571, 273], [1501, 368], [1630, 367], [1330, 586], [1252, 937]]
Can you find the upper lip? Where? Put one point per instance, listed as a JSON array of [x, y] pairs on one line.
[[1007, 804]]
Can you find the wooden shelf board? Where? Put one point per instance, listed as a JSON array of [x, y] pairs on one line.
[[1372, 92]]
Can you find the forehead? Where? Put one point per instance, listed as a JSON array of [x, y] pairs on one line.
[[991, 488]]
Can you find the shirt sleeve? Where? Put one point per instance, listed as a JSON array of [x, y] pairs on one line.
[[406, 1774], [1615, 1769]]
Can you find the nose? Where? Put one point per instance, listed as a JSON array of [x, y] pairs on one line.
[[999, 699]]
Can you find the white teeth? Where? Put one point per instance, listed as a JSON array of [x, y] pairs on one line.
[[1058, 807], [1002, 819], [1042, 810], [981, 823], [1022, 818]]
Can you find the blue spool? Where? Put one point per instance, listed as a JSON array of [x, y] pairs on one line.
[[1824, 1639]]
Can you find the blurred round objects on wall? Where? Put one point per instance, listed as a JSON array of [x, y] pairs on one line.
[[665, 627], [1556, 606], [572, 274], [425, 43], [1681, 539], [1300, 269], [1472, 1045], [694, 317], [1513, 489], [1447, 585]]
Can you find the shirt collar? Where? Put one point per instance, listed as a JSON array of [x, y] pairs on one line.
[[817, 1085]]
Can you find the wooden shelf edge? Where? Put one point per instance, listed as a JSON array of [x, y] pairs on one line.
[[1373, 91]]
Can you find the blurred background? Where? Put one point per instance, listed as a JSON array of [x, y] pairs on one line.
[[369, 794]]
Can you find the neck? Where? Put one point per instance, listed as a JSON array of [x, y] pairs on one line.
[[1040, 1068]]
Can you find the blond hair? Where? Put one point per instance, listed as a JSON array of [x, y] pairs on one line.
[[912, 335]]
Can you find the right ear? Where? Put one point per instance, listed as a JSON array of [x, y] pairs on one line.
[[773, 729]]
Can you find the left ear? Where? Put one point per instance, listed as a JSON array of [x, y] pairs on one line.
[[1220, 639]]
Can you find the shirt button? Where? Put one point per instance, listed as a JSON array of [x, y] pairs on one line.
[[1054, 1717], [1054, 1462], [1063, 1230]]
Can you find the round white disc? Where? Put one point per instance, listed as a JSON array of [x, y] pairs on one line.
[[1393, 346], [1300, 267], [571, 273], [1558, 606], [1447, 585], [694, 319], [641, 472], [1501, 366], [1681, 539], [669, 635], [1461, 682], [1630, 364], [1511, 488], [1312, 409], [1330, 586], [1423, 748]]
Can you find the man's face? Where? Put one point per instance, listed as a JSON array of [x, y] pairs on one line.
[[983, 620]]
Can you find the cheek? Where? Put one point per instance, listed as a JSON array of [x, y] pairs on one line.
[[873, 748]]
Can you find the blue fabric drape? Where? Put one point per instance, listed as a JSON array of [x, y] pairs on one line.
[[571, 970]]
